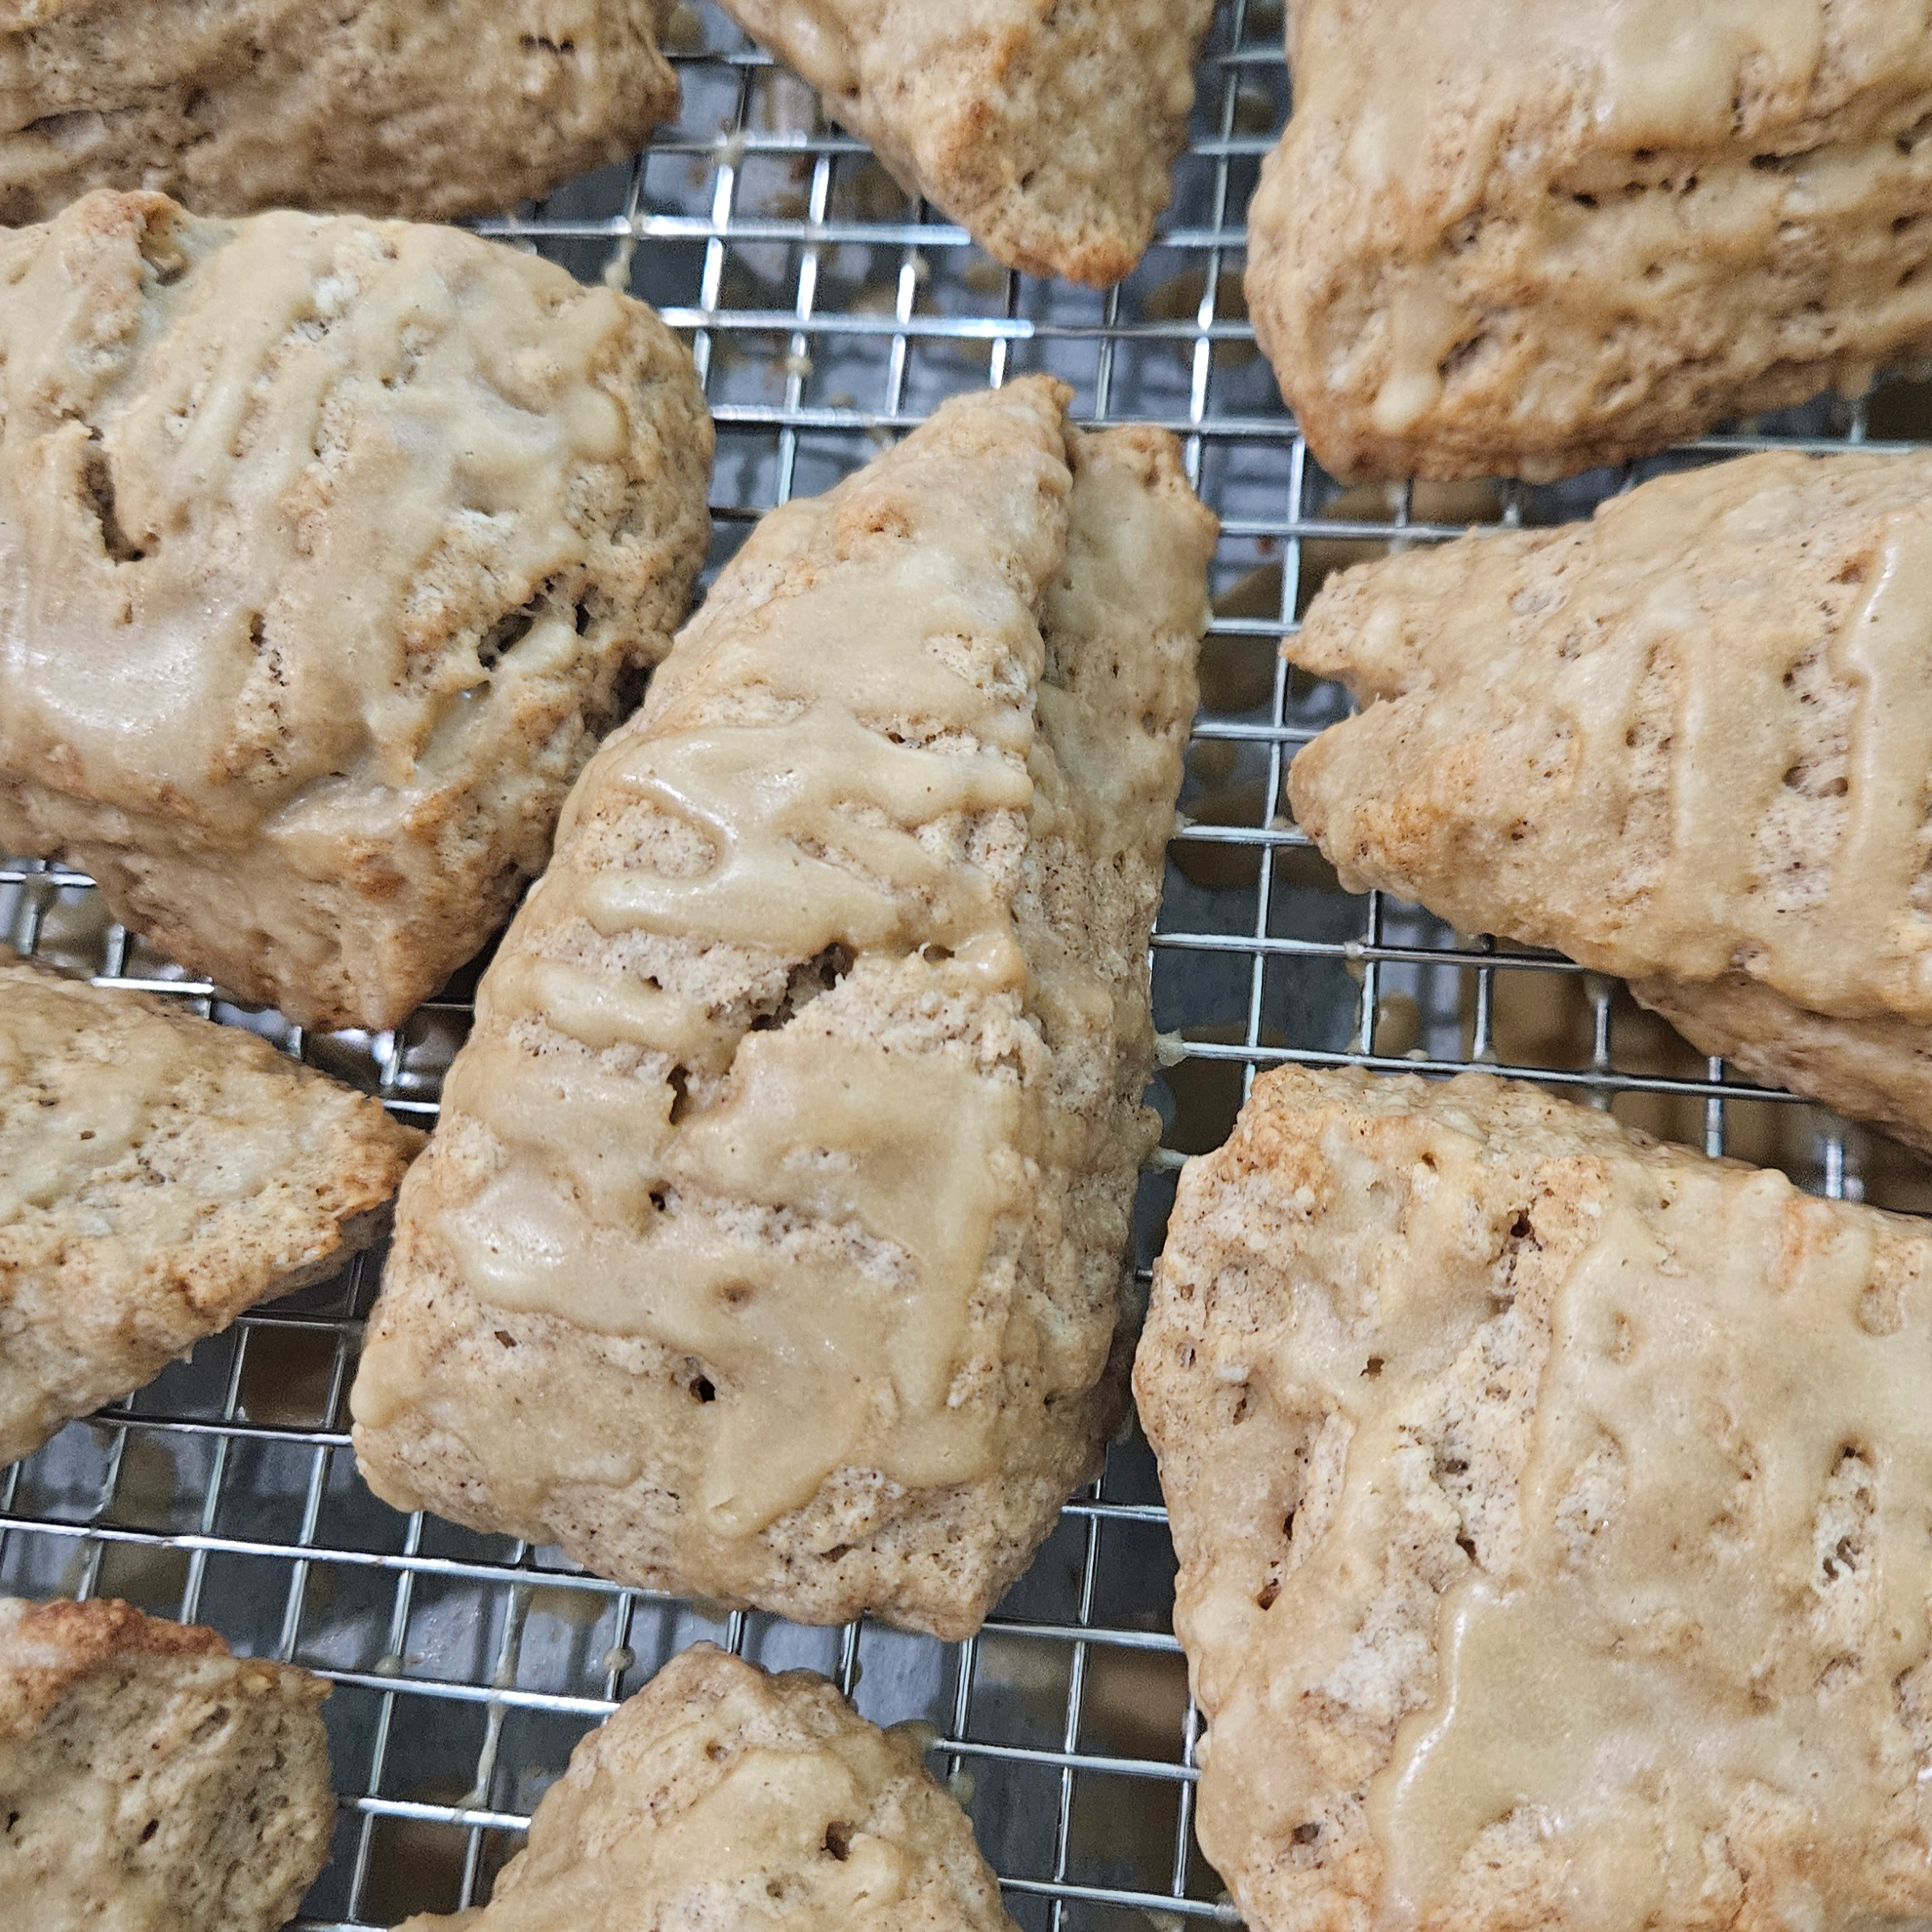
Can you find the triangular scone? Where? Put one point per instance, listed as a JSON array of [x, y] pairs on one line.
[[770, 1247], [158, 1174], [1689, 742], [329, 549], [1554, 1516], [149, 1781], [721, 1797], [1528, 236], [386, 107], [1050, 132]]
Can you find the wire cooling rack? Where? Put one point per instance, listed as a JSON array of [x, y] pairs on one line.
[[827, 313]]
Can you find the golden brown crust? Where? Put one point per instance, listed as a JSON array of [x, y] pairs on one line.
[[1530, 236], [426, 508], [46, 1647], [382, 107], [148, 1778], [158, 1174], [1550, 1511], [1048, 130], [1685, 743], [834, 1107]]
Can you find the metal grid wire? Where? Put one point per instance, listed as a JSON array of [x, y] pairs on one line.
[[828, 312]]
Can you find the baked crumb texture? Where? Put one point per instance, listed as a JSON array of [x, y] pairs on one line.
[[149, 1780], [382, 107], [1050, 132], [158, 1174], [1686, 743], [721, 1797], [1555, 1515], [1529, 236], [771, 1247], [331, 547]]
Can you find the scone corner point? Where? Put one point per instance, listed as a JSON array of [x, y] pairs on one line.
[[159, 1173], [145, 1770], [1049, 133]]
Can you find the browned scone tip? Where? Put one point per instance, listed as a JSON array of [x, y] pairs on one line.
[[332, 548], [1686, 743], [1049, 133], [721, 1796], [379, 107], [1530, 236], [46, 1647], [771, 1246], [1552, 1511], [158, 1175], [148, 1778]]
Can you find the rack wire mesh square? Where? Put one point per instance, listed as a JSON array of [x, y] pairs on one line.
[[827, 313]]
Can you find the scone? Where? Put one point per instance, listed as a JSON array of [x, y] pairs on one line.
[[158, 1174], [721, 1797], [428, 108], [1048, 131], [1554, 1516], [1526, 236], [150, 1781], [1688, 742], [329, 549], [770, 1246]]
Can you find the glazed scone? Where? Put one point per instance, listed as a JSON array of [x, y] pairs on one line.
[[721, 1797], [1554, 1516], [150, 1781], [158, 1174], [329, 548], [770, 1247], [1687, 742], [1048, 131], [1526, 236], [423, 108]]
